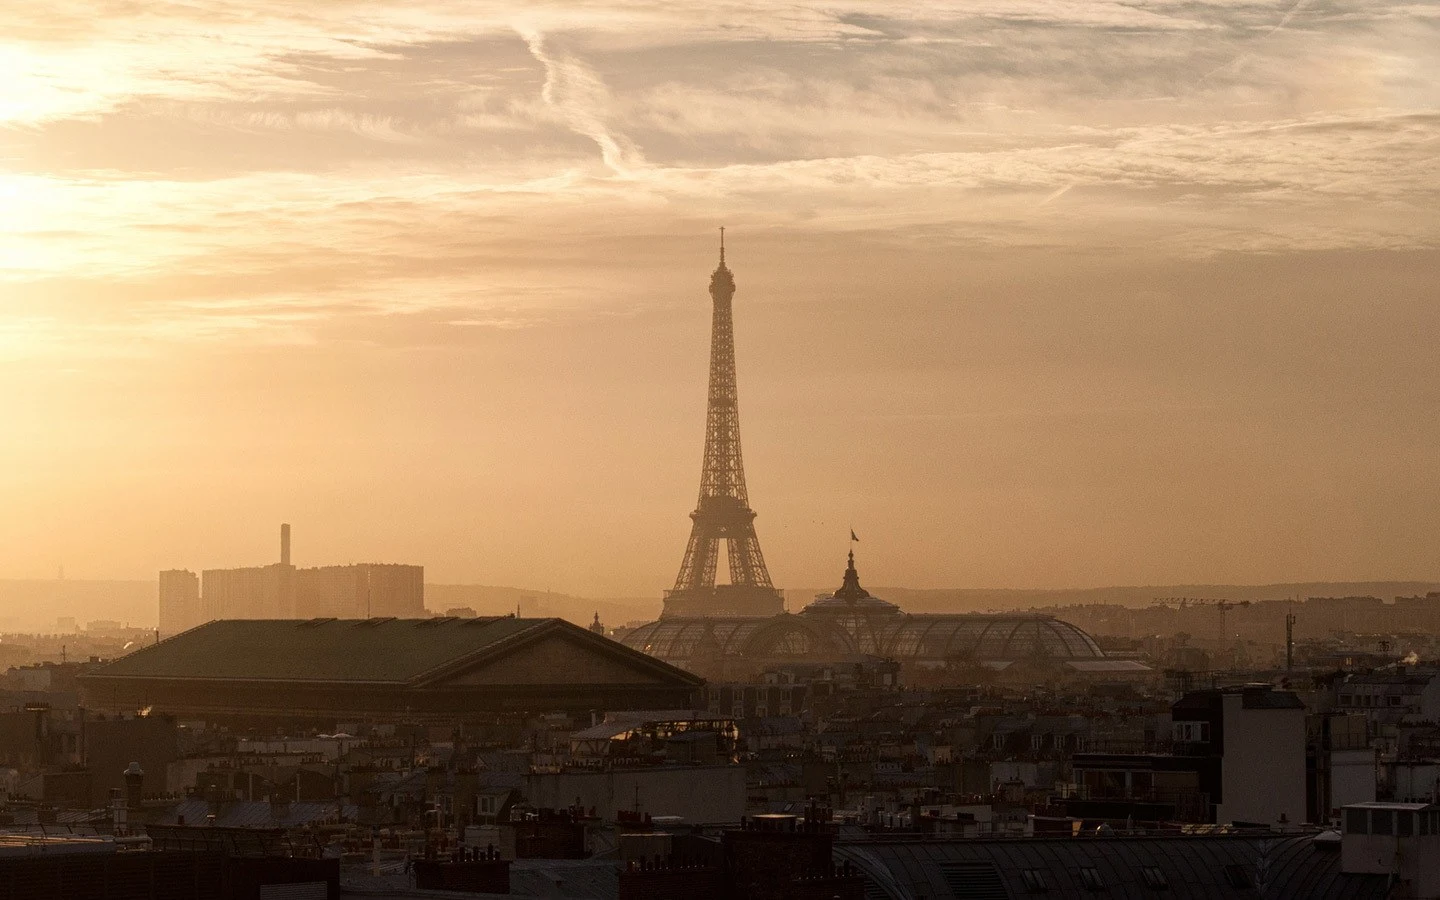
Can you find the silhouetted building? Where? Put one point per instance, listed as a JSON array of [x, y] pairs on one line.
[[210, 867], [1386, 698], [179, 601], [361, 591], [1293, 867], [252, 592], [281, 591], [851, 624], [1236, 755], [110, 745], [1399, 842], [440, 669]]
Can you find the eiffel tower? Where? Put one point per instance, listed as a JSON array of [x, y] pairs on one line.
[[723, 512]]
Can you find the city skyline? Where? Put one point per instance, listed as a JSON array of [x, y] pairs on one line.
[[1032, 294]]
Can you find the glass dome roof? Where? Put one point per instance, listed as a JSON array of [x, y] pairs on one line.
[[982, 638]]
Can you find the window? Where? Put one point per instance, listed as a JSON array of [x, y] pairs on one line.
[[1190, 732], [1034, 880], [1382, 821], [1347, 700], [1239, 877], [1404, 824], [1037, 742], [1154, 878], [1356, 822], [1090, 877], [1395, 700]]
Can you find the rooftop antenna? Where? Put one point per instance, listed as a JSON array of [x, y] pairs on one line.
[[722, 246], [1289, 642]]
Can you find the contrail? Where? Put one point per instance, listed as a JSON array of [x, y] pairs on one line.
[[1285, 19], [1279, 26], [1056, 194], [581, 99]]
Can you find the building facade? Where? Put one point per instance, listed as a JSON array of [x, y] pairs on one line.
[[282, 591], [180, 607], [361, 591], [1236, 755]]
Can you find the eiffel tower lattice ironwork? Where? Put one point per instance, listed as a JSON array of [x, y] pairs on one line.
[[723, 512]]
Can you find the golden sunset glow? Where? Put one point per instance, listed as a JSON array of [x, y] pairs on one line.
[[1044, 292]]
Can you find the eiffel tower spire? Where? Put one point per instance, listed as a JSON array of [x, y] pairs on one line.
[[723, 512]]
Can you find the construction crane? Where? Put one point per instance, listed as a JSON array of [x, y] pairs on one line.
[[1220, 605]]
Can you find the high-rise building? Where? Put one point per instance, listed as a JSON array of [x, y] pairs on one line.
[[723, 512], [361, 591], [253, 592], [179, 601], [281, 591]]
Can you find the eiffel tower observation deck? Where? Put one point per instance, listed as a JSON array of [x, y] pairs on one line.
[[723, 512]]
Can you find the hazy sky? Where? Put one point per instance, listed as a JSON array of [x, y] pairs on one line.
[[1031, 292]]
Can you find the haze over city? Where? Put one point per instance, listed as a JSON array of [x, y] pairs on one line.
[[738, 451], [1030, 294]]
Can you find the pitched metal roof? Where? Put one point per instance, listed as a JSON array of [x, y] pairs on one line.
[[374, 651], [256, 813], [1191, 866]]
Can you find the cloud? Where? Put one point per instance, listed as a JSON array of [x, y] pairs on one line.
[[272, 168], [580, 99]]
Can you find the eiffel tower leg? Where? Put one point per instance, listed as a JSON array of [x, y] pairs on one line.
[[697, 571]]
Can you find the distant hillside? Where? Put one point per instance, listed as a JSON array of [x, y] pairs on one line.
[[499, 601], [979, 600], [34, 605]]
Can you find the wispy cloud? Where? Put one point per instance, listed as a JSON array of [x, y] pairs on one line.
[[580, 99], [368, 155]]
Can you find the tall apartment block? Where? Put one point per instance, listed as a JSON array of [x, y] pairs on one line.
[[281, 591], [180, 608]]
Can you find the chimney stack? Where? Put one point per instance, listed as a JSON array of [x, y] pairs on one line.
[[134, 785], [285, 544]]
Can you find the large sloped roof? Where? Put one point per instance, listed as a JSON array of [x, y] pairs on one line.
[[1215, 866], [374, 651]]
